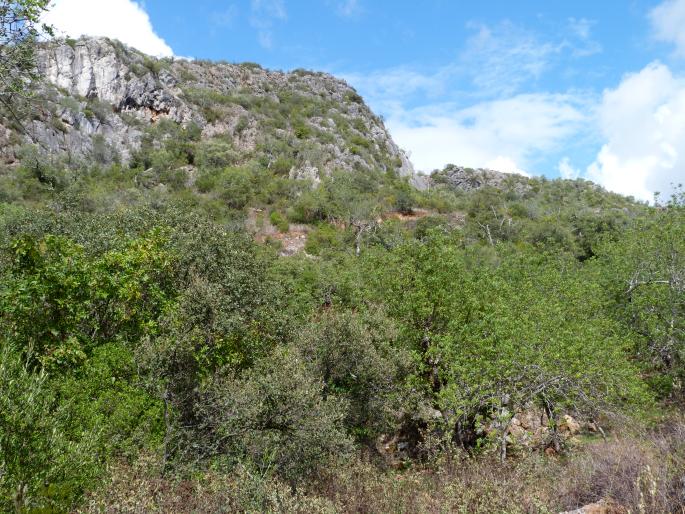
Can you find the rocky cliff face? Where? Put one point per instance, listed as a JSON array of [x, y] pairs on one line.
[[101, 99]]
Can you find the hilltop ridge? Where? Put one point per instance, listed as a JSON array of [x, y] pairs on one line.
[[100, 97]]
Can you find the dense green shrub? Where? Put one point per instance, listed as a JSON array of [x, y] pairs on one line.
[[43, 467], [323, 239], [235, 187], [216, 153], [276, 415], [360, 364], [282, 165], [279, 221]]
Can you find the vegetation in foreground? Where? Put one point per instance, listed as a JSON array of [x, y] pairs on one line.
[[154, 344], [517, 348]]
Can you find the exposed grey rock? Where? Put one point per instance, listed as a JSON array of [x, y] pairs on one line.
[[96, 68], [420, 182], [468, 179], [306, 172], [99, 90]]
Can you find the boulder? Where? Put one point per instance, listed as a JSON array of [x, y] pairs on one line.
[[569, 426]]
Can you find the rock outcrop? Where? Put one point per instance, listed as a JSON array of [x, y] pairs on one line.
[[103, 70], [469, 179], [101, 97]]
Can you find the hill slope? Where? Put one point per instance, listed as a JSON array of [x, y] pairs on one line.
[[157, 347], [281, 154], [102, 97]]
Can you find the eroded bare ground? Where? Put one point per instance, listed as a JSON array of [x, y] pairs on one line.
[[294, 240]]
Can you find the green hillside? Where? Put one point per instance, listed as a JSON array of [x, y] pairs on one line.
[[253, 304]]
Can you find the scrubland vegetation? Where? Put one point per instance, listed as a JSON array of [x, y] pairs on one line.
[[513, 347], [155, 357]]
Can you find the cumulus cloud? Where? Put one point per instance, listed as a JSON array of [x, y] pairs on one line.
[[566, 170], [473, 110], [124, 20], [643, 123], [503, 134], [668, 22], [505, 165]]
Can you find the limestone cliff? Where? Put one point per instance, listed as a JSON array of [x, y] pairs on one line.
[[101, 98]]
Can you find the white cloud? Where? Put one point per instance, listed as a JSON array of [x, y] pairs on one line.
[[264, 14], [581, 32], [502, 58], [668, 22], [505, 165], [503, 134], [643, 124], [124, 20], [499, 60], [491, 123], [387, 88], [566, 170]]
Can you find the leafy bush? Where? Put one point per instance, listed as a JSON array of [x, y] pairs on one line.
[[282, 165], [216, 153], [235, 187], [324, 238], [276, 416], [279, 221], [359, 364], [42, 467]]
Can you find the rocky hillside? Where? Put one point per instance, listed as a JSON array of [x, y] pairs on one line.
[[112, 128], [102, 99], [467, 180]]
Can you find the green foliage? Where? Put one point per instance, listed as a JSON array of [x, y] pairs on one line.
[[97, 110], [275, 416], [353, 96], [166, 145], [106, 395], [360, 141], [57, 302], [358, 362], [492, 341], [216, 153], [404, 201], [643, 270], [301, 129], [324, 238], [235, 187], [19, 30], [282, 165], [43, 468], [279, 221], [536, 337]]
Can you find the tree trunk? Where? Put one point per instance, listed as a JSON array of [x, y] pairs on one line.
[[552, 417]]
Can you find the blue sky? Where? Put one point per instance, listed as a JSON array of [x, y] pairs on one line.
[[585, 88]]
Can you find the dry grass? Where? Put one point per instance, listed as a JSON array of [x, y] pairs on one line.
[[644, 473]]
